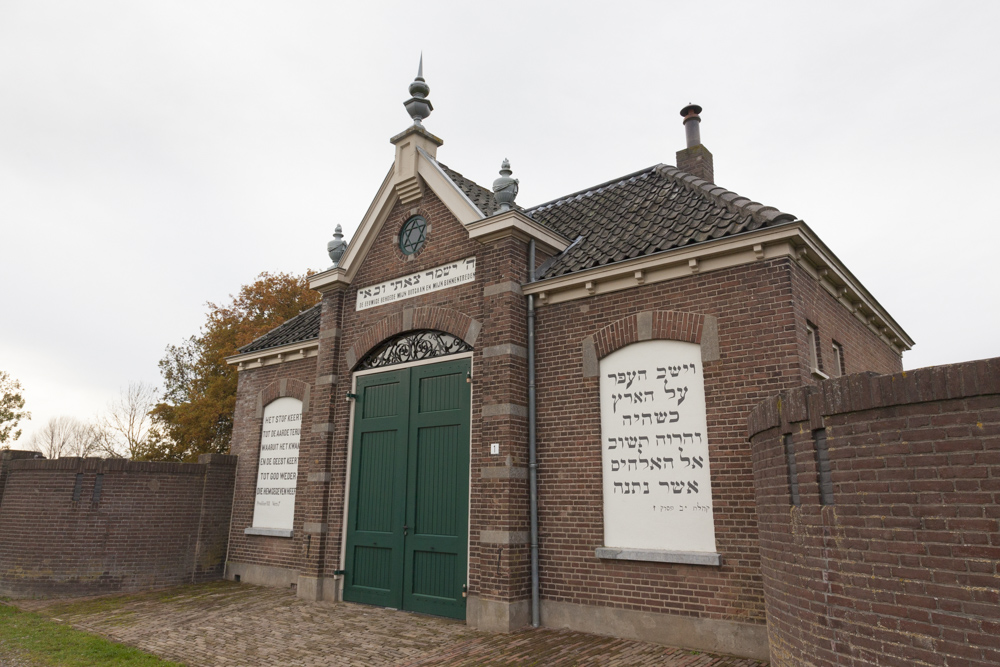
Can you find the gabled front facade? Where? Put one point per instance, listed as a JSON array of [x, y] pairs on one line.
[[662, 309]]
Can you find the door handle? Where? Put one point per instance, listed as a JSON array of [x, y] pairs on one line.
[[405, 529]]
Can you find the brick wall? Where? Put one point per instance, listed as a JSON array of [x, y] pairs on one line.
[[893, 558], [7, 456], [760, 310], [258, 387], [486, 313], [864, 349], [76, 526]]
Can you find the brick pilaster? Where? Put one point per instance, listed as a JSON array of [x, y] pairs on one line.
[[318, 456], [499, 525]]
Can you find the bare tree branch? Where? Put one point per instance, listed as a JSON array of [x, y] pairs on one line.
[[66, 436], [127, 423]]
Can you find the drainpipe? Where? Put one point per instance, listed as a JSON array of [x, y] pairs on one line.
[[532, 444]]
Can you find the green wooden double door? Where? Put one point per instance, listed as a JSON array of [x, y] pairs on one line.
[[408, 512]]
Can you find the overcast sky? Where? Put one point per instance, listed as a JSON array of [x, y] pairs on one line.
[[158, 155]]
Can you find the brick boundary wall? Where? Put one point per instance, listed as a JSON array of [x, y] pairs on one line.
[[8, 456], [75, 526], [877, 498]]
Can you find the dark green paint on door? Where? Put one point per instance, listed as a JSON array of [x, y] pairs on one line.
[[408, 515]]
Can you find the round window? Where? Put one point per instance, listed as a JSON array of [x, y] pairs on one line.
[[413, 235]]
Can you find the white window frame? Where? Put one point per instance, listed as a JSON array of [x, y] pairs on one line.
[[812, 336]]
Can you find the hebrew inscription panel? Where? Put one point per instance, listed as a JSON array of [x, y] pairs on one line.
[[657, 483], [415, 284], [278, 464]]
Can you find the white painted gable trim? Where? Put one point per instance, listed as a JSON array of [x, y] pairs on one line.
[[434, 178], [363, 239]]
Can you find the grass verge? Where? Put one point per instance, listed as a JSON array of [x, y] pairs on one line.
[[39, 641]]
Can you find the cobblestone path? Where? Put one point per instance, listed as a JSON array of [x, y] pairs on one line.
[[237, 624]]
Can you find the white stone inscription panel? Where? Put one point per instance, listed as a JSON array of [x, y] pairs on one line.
[[278, 465], [657, 484], [431, 280]]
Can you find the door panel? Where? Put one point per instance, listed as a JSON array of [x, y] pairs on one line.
[[441, 392], [374, 558], [381, 400], [373, 568], [433, 574], [434, 502], [407, 533], [438, 490], [376, 457]]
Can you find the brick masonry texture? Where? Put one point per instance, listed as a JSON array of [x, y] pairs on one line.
[[902, 568], [761, 310], [496, 504], [6, 458], [759, 313], [257, 388], [132, 526]]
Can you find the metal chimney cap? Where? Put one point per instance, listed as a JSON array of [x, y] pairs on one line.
[[691, 109]]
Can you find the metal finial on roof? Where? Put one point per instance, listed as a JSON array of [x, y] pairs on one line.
[[336, 246], [418, 106], [505, 187]]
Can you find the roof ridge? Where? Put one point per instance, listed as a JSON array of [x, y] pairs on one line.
[[727, 199], [594, 189]]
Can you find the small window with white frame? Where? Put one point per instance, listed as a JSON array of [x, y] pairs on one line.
[[815, 358], [839, 367]]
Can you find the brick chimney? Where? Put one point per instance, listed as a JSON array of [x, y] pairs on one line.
[[695, 159]]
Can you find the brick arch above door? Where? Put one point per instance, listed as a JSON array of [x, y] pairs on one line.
[[285, 387], [651, 325], [413, 319]]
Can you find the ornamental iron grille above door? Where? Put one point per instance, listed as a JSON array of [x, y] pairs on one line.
[[414, 346]]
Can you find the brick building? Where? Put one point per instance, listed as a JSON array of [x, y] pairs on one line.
[[514, 414]]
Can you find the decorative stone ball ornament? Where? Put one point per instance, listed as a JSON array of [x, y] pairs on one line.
[[505, 187], [336, 246]]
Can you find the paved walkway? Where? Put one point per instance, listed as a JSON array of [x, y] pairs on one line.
[[236, 624]]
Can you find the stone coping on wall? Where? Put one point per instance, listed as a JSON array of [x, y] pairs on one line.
[[123, 465], [869, 391]]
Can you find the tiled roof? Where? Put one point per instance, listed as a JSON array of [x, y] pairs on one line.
[[302, 327], [480, 196], [650, 211]]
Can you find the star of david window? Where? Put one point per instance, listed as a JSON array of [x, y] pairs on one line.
[[413, 235], [414, 346]]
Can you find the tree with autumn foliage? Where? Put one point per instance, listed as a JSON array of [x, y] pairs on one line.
[[196, 414], [11, 409]]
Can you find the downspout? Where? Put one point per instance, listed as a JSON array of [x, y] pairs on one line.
[[532, 444]]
